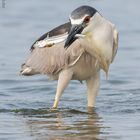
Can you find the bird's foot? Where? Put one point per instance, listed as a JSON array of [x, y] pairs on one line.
[[53, 109], [90, 109]]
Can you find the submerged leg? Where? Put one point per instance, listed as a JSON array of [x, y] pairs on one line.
[[63, 80], [93, 84]]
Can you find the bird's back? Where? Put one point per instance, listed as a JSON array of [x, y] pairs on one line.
[[52, 60]]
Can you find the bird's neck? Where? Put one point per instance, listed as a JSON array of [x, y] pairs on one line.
[[97, 41]]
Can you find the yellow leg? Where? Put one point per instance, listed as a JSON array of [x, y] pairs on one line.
[[64, 79], [93, 84]]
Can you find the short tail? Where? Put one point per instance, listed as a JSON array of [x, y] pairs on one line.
[[27, 71]]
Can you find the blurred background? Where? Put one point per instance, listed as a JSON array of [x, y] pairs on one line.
[[25, 101]]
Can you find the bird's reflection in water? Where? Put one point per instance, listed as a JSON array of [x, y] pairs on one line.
[[64, 125]]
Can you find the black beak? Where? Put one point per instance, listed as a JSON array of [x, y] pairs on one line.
[[75, 29]]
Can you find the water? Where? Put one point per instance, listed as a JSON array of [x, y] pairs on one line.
[[25, 101]]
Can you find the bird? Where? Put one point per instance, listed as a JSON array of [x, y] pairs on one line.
[[76, 50]]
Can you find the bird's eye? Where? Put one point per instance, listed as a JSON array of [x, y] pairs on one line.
[[87, 19]]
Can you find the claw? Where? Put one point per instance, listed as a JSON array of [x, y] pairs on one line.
[[53, 109]]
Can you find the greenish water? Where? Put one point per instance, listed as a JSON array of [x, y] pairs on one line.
[[25, 102]]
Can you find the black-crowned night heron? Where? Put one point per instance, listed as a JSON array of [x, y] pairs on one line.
[[76, 50]]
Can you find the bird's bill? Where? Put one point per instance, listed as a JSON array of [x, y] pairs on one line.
[[75, 29]]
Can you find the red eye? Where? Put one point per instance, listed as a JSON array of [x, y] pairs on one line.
[[87, 19]]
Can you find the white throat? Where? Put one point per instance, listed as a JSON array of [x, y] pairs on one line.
[[99, 34]]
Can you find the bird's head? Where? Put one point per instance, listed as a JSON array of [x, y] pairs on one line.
[[81, 19], [98, 34]]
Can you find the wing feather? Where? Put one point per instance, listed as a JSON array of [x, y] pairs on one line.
[[62, 29], [54, 59], [115, 43]]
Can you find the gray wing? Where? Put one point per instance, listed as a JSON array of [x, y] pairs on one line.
[[62, 29], [51, 60], [115, 43]]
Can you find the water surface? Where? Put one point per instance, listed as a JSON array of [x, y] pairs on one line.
[[25, 101]]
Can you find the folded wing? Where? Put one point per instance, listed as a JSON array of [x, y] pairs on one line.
[[51, 60]]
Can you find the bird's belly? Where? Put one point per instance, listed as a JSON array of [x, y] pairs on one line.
[[85, 68]]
